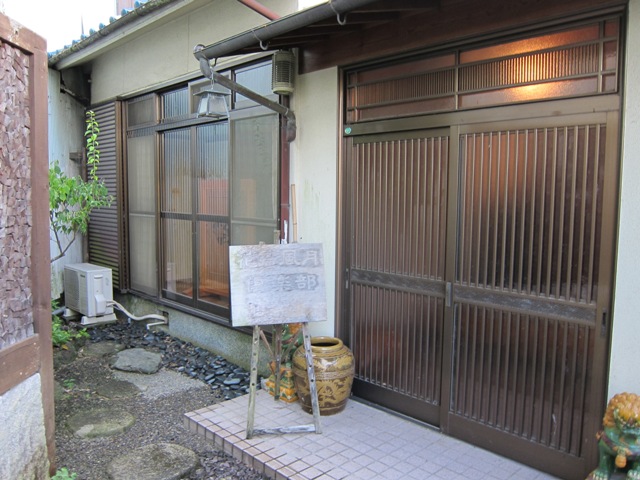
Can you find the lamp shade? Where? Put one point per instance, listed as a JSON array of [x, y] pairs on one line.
[[213, 102]]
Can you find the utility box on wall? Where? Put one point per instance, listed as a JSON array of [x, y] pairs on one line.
[[88, 290]]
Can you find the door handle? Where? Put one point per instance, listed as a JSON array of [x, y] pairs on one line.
[[448, 294], [603, 324]]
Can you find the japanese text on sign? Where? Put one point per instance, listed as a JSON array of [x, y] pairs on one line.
[[273, 284]]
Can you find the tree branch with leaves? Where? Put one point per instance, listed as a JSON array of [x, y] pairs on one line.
[[71, 199]]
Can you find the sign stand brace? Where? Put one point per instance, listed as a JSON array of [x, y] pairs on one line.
[[255, 349]]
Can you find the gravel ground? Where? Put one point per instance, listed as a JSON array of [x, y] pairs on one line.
[[159, 418]]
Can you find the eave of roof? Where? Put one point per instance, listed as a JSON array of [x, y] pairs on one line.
[[312, 25]]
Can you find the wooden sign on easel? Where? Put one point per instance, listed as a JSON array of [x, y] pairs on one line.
[[274, 285]]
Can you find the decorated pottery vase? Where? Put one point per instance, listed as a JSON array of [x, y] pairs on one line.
[[334, 369]]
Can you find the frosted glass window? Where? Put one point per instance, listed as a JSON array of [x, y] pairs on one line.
[[142, 249], [256, 78], [175, 104], [141, 111], [141, 158], [195, 185], [255, 169], [178, 256], [177, 171]]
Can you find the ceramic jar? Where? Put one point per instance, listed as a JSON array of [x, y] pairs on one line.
[[334, 369]]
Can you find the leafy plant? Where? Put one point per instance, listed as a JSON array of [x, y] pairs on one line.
[[64, 474], [62, 334], [69, 383], [71, 199], [59, 335]]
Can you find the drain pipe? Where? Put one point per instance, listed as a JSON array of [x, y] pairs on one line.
[[220, 79], [261, 9], [163, 320]]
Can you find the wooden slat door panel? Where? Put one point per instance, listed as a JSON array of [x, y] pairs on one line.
[[525, 291], [398, 190]]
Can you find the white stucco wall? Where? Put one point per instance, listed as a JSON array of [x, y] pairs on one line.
[[314, 166], [625, 346], [66, 135], [22, 435]]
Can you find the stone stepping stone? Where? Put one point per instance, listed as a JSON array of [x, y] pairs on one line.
[[162, 461], [117, 389], [100, 422], [102, 349], [161, 384], [137, 360]]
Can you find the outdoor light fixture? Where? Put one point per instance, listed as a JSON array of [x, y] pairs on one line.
[[213, 102], [219, 79]]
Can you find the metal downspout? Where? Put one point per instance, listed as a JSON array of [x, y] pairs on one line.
[[261, 9], [263, 33], [285, 201]]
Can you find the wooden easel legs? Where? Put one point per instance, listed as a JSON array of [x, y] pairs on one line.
[[255, 348]]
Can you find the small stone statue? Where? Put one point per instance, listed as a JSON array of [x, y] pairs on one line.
[[619, 438]]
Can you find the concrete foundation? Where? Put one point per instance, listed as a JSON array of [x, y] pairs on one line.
[[22, 436], [233, 344]]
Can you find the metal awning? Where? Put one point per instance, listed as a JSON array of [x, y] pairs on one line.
[[314, 25]]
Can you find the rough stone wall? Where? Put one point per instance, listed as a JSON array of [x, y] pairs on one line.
[[16, 312]]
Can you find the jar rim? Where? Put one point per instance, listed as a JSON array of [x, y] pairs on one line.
[[326, 343]]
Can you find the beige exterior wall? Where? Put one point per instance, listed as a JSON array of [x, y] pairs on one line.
[[314, 163], [166, 51], [625, 345]]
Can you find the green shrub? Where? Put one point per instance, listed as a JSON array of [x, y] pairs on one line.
[[64, 474], [61, 334]]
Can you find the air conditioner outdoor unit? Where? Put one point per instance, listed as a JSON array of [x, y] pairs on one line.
[[88, 290]]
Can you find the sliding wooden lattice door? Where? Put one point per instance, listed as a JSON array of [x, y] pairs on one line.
[[398, 216], [479, 279], [526, 288]]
